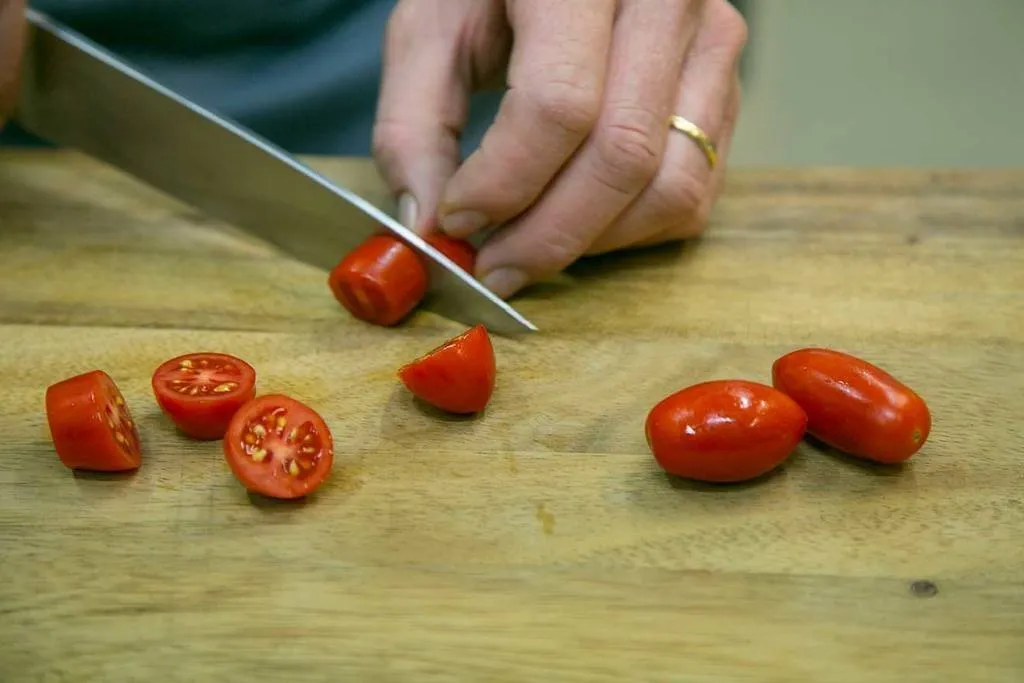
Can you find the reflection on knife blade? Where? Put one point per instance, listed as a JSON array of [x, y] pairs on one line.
[[76, 94]]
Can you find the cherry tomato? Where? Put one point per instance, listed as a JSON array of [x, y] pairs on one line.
[[381, 281], [457, 376], [200, 392], [854, 406], [461, 252], [91, 426], [724, 431], [279, 447]]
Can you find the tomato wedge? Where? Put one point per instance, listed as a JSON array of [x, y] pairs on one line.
[[200, 392], [724, 431], [90, 424], [458, 376], [461, 252], [381, 281], [279, 447]]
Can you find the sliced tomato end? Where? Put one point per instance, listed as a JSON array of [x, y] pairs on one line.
[[457, 376]]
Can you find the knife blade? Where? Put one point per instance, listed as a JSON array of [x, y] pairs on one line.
[[77, 94]]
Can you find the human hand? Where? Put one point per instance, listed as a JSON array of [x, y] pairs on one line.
[[12, 38], [580, 159]]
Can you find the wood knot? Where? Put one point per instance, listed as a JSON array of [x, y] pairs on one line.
[[924, 589]]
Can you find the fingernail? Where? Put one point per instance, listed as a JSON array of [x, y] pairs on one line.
[[407, 210], [463, 223], [505, 281]]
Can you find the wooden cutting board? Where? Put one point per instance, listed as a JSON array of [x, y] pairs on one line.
[[538, 542]]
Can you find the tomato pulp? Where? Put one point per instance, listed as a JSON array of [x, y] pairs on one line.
[[724, 431], [458, 376], [90, 424], [381, 281], [854, 406], [279, 447], [200, 392]]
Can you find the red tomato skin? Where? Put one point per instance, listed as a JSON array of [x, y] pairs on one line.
[[461, 252], [458, 376], [381, 281], [724, 431], [204, 418], [276, 484], [81, 436], [854, 406]]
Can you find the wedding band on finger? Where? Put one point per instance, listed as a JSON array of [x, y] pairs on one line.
[[693, 131]]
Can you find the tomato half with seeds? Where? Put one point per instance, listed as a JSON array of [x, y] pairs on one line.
[[381, 281], [461, 252], [853, 405], [200, 392], [724, 431], [279, 447], [90, 424], [458, 376]]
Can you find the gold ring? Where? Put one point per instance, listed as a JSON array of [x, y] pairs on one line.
[[692, 131]]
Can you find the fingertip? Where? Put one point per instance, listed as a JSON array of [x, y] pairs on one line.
[[462, 224], [505, 281]]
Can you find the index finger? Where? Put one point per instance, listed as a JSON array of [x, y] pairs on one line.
[[556, 78], [12, 30]]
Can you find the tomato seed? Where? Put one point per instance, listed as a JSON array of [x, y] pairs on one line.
[[226, 387], [259, 455]]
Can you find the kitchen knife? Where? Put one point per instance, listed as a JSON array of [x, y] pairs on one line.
[[78, 95]]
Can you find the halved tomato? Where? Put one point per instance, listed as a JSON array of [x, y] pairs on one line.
[[90, 424], [381, 281], [201, 392], [279, 447], [460, 251], [457, 376]]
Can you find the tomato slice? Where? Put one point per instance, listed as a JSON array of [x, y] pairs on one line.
[[381, 281], [200, 392], [279, 447], [90, 424], [457, 376], [461, 252]]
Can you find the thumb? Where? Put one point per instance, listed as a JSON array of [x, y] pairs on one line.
[[12, 37], [421, 110]]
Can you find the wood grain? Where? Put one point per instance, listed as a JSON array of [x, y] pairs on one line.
[[538, 541]]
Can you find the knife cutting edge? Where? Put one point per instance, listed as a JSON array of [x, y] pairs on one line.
[[76, 94]]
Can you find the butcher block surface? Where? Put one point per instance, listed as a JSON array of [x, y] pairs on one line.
[[538, 541]]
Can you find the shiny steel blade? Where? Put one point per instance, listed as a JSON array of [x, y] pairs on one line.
[[76, 94]]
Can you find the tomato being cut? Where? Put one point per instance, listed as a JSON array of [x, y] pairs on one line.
[[853, 405], [201, 392], [724, 431], [279, 447], [458, 376], [461, 252], [91, 426], [381, 281]]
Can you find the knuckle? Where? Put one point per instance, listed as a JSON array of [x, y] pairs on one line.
[[729, 27], [555, 251], [572, 105], [680, 196], [629, 149]]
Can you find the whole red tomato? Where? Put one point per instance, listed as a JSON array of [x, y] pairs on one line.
[[853, 405], [724, 430]]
